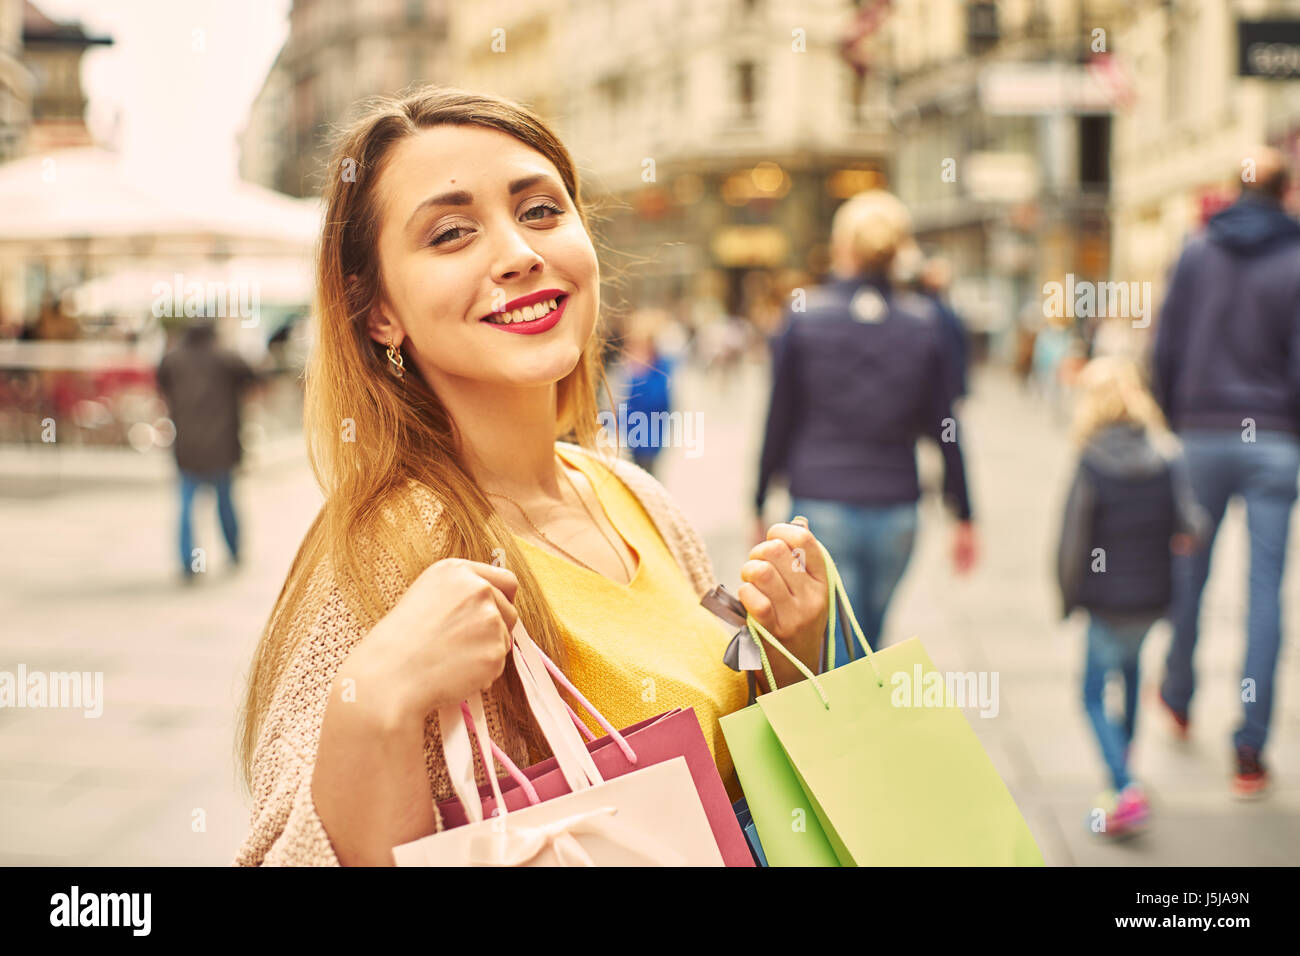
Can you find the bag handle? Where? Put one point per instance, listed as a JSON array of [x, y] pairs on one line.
[[590, 708], [550, 712], [459, 755], [556, 719], [832, 643], [835, 589], [502, 758]]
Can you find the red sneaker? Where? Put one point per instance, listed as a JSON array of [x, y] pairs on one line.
[[1251, 779]]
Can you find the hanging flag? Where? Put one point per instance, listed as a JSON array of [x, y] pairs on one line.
[[865, 23]]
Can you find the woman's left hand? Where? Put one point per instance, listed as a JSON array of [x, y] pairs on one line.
[[785, 590]]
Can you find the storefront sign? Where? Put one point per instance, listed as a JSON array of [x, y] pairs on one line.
[[1268, 48]]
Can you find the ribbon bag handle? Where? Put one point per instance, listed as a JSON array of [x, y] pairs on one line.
[[458, 753], [557, 721]]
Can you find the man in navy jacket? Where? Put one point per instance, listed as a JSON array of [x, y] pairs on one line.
[[1227, 375]]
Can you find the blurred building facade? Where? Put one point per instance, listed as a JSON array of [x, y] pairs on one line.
[[1179, 152], [718, 136], [52, 51], [1003, 113], [336, 53], [42, 103], [15, 81]]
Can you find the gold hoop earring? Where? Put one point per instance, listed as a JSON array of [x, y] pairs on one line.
[[395, 363]]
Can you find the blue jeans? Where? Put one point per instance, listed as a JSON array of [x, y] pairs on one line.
[[190, 483], [1113, 649], [871, 545], [1263, 473]]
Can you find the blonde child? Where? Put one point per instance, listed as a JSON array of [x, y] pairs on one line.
[[1129, 507]]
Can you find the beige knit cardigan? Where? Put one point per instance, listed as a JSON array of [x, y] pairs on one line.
[[285, 829]]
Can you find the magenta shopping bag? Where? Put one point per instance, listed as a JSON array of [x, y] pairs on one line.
[[675, 733]]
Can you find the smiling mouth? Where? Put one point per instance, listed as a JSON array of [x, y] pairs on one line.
[[529, 313], [534, 318]]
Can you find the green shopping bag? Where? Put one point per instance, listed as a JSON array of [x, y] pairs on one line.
[[855, 768]]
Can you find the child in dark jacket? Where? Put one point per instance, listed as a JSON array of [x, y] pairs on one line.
[[1129, 507]]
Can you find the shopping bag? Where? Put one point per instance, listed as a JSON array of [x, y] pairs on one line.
[[787, 826], [675, 733], [882, 777], [650, 816]]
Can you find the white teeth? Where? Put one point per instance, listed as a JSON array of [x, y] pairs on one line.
[[528, 313]]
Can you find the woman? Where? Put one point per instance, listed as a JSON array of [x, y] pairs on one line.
[[857, 377], [457, 338]]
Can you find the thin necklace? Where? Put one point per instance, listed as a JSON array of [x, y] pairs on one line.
[[567, 554]]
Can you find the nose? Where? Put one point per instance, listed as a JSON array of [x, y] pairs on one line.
[[515, 257]]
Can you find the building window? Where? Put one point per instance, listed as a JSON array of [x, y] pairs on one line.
[[746, 93], [1094, 152]]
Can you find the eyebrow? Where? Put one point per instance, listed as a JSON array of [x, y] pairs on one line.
[[461, 197]]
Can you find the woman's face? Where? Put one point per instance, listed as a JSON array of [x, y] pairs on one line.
[[472, 221]]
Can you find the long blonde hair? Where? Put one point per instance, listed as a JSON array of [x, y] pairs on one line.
[[1111, 391], [406, 433]]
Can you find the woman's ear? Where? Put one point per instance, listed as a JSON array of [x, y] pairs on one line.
[[383, 328], [379, 325]]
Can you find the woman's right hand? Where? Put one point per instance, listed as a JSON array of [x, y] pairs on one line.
[[446, 639]]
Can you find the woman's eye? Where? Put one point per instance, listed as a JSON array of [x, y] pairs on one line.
[[542, 206], [447, 235]]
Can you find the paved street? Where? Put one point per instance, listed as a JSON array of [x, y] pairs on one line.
[[89, 585]]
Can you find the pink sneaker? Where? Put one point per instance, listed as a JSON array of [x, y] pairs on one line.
[[1131, 812]]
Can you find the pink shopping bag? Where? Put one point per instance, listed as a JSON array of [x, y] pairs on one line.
[[652, 815], [675, 733]]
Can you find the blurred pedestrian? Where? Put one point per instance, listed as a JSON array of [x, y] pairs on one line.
[[1227, 374], [1129, 506], [202, 384], [933, 282], [646, 373], [857, 378], [1052, 346]]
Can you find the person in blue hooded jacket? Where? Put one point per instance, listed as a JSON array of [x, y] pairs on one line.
[[1227, 376], [858, 377]]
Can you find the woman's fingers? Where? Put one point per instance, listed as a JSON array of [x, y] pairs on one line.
[[759, 605], [508, 612], [802, 545], [500, 578]]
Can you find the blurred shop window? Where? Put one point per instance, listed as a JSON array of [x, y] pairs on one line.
[[745, 89], [981, 27], [1094, 152]]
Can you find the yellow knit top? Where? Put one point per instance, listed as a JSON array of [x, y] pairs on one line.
[[636, 650]]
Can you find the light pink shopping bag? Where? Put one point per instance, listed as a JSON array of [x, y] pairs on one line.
[[652, 816]]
